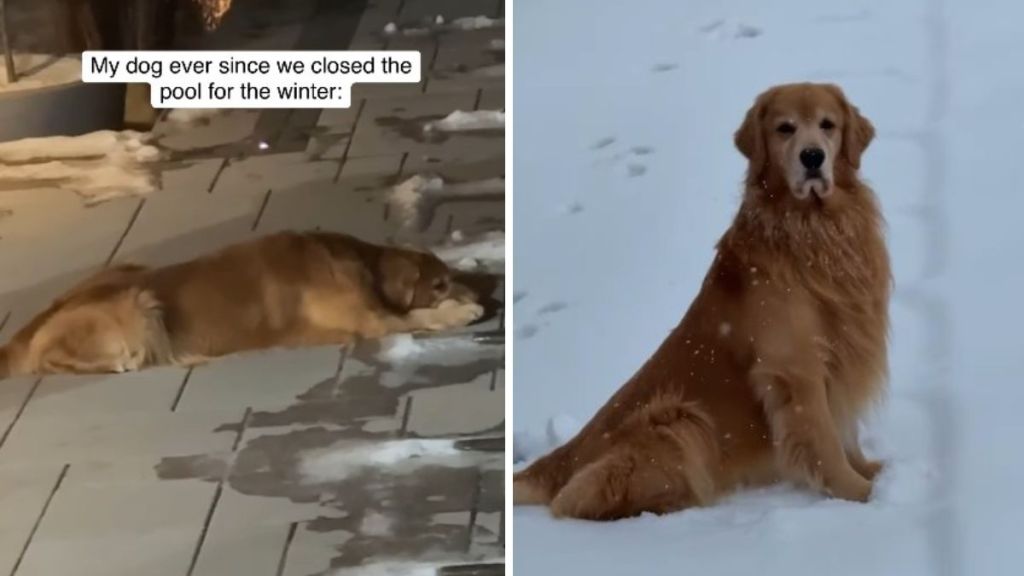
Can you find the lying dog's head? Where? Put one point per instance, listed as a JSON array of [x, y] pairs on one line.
[[410, 279], [807, 136]]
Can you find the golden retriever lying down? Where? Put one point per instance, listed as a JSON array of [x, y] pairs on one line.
[[287, 289], [779, 355]]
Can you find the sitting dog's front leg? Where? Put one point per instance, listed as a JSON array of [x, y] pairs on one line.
[[862, 464], [806, 441]]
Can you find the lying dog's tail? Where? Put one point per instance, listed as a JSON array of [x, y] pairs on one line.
[[5, 363], [9, 365]]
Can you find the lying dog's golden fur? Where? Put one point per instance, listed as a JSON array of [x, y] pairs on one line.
[[288, 289], [779, 355]]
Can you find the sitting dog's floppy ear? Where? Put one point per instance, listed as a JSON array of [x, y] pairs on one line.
[[750, 140], [397, 276], [857, 130]]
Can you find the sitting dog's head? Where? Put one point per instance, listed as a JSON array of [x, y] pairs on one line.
[[409, 279], [805, 136]]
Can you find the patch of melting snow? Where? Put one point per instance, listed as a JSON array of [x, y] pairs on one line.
[[405, 349], [404, 567], [407, 195], [476, 23], [459, 121], [485, 253], [401, 356], [376, 524], [347, 459], [492, 71], [192, 115], [98, 166]]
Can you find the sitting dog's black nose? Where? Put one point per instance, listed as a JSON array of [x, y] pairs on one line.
[[812, 158]]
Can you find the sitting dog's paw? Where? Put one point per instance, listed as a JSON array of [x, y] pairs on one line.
[[868, 468]]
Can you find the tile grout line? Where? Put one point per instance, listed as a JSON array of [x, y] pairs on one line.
[[348, 145], [39, 520], [398, 176], [181, 390], [405, 416], [473, 509], [479, 98], [216, 177], [430, 68], [284, 552], [206, 528], [242, 428], [21, 409], [401, 166], [494, 380], [7, 317], [263, 208], [120, 241], [338, 371]]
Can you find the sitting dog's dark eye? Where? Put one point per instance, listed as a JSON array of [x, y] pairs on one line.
[[827, 124], [439, 284], [786, 128]]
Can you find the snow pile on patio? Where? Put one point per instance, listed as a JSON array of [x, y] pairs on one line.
[[476, 23], [98, 166], [437, 24], [486, 253], [416, 198], [406, 196], [39, 70], [459, 121]]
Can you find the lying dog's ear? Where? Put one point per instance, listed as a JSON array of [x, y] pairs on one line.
[[397, 276], [749, 138], [857, 130]]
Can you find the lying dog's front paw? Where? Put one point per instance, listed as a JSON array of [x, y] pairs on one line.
[[459, 313], [447, 314], [463, 293]]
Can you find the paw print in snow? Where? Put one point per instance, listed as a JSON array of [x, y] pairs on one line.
[[723, 30]]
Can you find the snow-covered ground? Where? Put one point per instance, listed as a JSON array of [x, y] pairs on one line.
[[625, 177]]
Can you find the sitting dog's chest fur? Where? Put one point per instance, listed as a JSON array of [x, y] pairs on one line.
[[805, 283]]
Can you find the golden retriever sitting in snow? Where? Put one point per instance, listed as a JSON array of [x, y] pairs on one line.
[[784, 348]]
